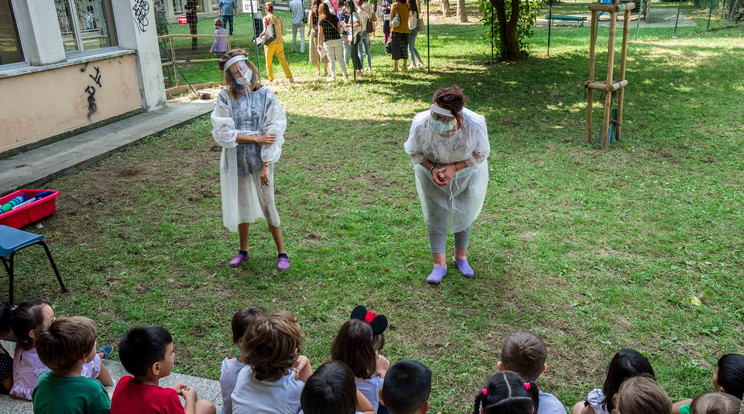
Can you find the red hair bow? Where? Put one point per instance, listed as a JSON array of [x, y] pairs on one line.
[[370, 317]]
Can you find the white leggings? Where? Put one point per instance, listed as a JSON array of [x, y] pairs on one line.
[[335, 51]]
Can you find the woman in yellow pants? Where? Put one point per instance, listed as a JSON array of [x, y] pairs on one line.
[[277, 46]]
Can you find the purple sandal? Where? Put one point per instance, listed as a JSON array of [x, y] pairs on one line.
[[282, 263], [436, 275], [464, 268], [238, 259]]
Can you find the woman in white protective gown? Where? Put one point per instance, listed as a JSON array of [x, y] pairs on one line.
[[448, 145], [249, 123]]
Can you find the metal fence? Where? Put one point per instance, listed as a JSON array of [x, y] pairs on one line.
[[183, 49]]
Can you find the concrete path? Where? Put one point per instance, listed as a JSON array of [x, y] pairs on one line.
[[205, 388], [34, 168]]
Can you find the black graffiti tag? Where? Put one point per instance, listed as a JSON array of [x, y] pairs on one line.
[[97, 78], [141, 10], [92, 107]]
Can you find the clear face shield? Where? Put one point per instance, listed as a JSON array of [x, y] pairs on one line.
[[441, 120], [239, 70]]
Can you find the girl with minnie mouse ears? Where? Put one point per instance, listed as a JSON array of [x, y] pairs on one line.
[[357, 344]]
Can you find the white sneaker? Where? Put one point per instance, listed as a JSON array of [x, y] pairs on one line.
[[420, 63]]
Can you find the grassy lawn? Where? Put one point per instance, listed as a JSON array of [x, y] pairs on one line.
[[593, 250]]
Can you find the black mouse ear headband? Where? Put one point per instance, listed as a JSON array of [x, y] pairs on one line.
[[378, 322]]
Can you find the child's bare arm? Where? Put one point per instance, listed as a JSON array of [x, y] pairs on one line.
[[382, 366], [676, 406], [104, 377], [189, 394], [363, 404], [303, 369]]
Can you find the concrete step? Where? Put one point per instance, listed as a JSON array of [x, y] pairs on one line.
[[205, 388], [33, 168]]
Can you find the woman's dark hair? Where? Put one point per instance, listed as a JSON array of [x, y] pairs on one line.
[[412, 6], [26, 317], [353, 346], [452, 99], [314, 6], [269, 7], [507, 393], [731, 374], [235, 88], [330, 390], [323, 11], [627, 363], [401, 1]]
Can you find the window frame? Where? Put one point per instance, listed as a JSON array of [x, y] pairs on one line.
[[111, 28], [19, 41]]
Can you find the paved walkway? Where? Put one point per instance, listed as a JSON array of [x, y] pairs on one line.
[[34, 168], [206, 389]]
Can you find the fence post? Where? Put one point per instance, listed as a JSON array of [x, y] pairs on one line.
[[677, 21], [173, 59]]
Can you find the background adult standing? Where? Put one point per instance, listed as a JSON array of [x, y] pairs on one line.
[[401, 32], [315, 54], [161, 23], [192, 20], [228, 9], [448, 145], [276, 47], [297, 7]]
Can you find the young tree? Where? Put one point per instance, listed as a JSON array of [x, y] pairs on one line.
[[462, 15], [512, 25]]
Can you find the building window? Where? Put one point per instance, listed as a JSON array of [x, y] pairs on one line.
[[85, 24], [10, 43]]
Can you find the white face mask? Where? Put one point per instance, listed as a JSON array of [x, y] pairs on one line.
[[440, 126], [244, 80]]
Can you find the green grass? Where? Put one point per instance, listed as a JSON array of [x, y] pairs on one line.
[[593, 250]]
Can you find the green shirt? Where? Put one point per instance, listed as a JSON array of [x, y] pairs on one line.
[[685, 409], [69, 395]]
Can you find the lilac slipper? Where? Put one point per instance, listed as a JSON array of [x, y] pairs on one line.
[[464, 268], [238, 259], [282, 263], [437, 274]]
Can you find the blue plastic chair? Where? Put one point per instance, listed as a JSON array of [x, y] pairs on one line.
[[13, 240]]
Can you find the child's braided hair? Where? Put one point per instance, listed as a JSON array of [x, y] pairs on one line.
[[507, 393]]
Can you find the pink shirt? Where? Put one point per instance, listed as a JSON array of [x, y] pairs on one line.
[[27, 368]]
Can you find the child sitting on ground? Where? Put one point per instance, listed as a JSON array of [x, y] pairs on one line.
[[715, 403], [642, 395], [507, 393], [147, 354], [524, 353], [64, 346], [6, 361], [331, 390], [25, 320], [231, 367], [728, 378], [378, 323], [271, 346], [627, 363], [407, 387], [354, 346]]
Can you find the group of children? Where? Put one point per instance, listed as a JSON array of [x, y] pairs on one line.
[[57, 366]]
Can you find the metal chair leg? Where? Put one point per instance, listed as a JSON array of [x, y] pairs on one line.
[[54, 266]]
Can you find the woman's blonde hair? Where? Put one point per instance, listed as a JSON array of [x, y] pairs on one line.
[[234, 88]]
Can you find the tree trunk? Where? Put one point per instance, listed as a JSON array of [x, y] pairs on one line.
[[445, 7], [462, 15]]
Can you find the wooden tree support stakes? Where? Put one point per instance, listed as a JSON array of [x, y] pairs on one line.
[[610, 85]]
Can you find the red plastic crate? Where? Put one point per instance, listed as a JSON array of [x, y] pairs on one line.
[[30, 212]]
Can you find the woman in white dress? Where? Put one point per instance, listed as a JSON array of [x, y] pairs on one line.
[[249, 123]]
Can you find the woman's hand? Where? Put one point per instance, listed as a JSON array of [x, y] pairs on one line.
[[266, 139], [442, 176], [265, 174]]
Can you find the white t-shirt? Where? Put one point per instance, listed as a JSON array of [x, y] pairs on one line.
[[370, 388], [595, 398], [252, 396], [412, 20], [549, 404], [231, 367]]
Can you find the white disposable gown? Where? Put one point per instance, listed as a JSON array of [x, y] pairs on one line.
[[453, 207], [244, 198]]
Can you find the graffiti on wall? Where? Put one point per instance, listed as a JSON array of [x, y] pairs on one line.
[[141, 10], [91, 89]]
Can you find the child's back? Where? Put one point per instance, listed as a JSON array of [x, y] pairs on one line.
[[271, 346], [61, 394], [64, 346], [133, 397], [231, 367]]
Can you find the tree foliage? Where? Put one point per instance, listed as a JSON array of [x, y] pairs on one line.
[[512, 27]]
